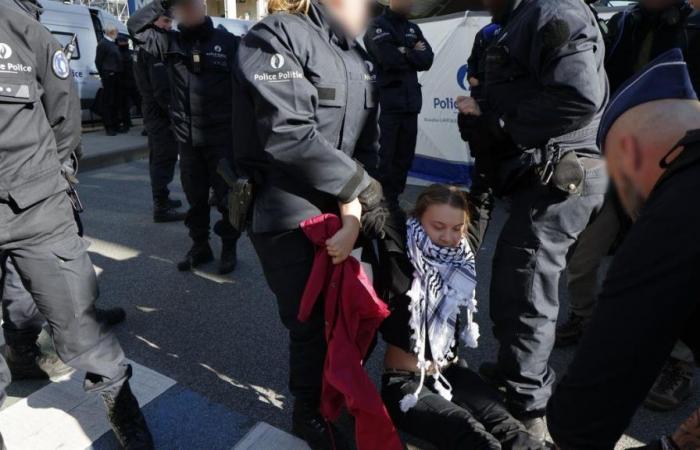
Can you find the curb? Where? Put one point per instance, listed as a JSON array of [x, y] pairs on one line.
[[121, 156]]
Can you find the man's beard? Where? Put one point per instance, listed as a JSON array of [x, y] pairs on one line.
[[632, 200]]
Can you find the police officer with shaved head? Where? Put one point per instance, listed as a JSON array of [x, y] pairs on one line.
[[651, 297], [200, 60], [544, 92], [38, 231]]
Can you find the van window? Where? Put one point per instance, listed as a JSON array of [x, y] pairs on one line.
[[97, 24], [64, 38]]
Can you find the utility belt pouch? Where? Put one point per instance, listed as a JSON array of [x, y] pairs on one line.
[[563, 172], [240, 196]]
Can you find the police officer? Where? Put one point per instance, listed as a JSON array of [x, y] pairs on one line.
[[152, 80], [651, 295], [306, 114], [481, 192], [646, 30], [401, 51], [545, 90], [199, 59], [110, 66], [37, 228]]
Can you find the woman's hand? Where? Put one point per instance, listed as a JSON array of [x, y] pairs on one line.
[[468, 106], [342, 243]]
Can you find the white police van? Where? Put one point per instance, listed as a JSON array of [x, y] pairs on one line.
[[87, 24]]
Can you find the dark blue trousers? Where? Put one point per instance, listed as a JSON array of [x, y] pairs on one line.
[[530, 256]]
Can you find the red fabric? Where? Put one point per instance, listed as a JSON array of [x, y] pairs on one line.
[[353, 313]]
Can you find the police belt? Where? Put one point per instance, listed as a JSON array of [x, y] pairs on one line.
[[556, 163]]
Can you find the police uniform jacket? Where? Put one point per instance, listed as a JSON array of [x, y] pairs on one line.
[[544, 78], [108, 58], [200, 62], [399, 90], [306, 113], [153, 83], [36, 93], [636, 36]]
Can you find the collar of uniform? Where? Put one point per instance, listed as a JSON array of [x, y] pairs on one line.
[[689, 155], [321, 17], [202, 30]]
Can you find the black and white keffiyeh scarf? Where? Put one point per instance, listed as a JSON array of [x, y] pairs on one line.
[[444, 282]]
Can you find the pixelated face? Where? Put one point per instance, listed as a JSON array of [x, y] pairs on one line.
[[190, 13], [444, 224], [496, 7], [352, 15], [404, 7]]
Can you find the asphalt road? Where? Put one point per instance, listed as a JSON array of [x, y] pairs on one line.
[[220, 336]]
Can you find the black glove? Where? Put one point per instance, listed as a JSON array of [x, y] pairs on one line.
[[374, 211]]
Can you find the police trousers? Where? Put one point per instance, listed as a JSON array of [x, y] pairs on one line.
[[22, 321], [198, 175], [474, 419], [286, 259], [162, 157], [52, 262], [397, 150], [529, 259]]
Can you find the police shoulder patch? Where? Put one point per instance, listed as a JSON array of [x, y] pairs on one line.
[[60, 65]]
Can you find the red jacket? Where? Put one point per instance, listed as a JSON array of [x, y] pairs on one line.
[[353, 313]]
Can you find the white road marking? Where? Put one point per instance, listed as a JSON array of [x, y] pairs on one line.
[[62, 416]]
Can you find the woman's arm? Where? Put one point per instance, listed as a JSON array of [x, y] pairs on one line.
[[342, 243]]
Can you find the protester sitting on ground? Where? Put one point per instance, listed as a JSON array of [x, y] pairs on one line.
[[650, 134], [429, 391]]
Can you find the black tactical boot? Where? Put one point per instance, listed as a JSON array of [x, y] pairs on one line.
[[127, 420], [229, 258], [673, 386], [164, 212], [111, 316], [199, 254], [29, 363], [319, 434], [570, 332]]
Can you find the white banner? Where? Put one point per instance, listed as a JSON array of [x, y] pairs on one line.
[[441, 155]]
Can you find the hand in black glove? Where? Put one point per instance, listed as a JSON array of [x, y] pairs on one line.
[[374, 212]]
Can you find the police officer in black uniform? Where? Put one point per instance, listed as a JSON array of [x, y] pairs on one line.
[[151, 76], [306, 114], [200, 60], [646, 30], [38, 231], [545, 90], [109, 63], [401, 51]]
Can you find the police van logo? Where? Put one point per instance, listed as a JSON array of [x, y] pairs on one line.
[[462, 77], [217, 48], [277, 61], [5, 51], [60, 65]]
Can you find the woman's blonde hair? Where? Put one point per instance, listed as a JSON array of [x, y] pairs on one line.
[[288, 6]]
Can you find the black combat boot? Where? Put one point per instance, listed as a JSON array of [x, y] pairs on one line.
[[199, 254], [164, 212], [111, 316], [229, 257], [127, 420], [29, 363], [319, 434]]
